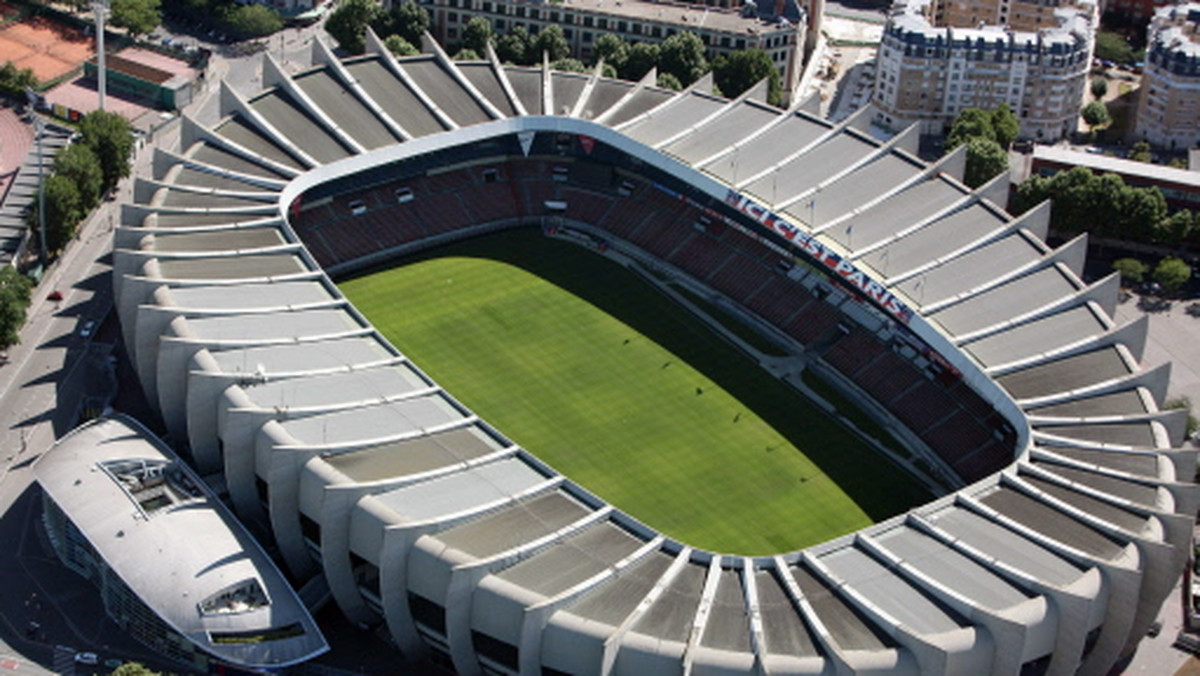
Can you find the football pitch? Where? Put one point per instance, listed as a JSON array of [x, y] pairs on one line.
[[603, 377]]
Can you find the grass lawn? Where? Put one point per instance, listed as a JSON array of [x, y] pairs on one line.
[[601, 376]]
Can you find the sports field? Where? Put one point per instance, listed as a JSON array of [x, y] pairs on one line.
[[604, 378]]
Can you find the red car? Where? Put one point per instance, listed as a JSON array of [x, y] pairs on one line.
[[55, 295]]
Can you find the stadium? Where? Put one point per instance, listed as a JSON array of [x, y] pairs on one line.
[[1065, 511]]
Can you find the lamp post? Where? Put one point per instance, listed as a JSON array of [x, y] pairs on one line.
[[40, 126], [100, 11]]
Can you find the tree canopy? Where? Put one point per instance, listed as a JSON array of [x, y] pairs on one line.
[[64, 210], [1095, 114], [642, 57], [1099, 87], [348, 23], [253, 20], [550, 41], [79, 163], [987, 135], [15, 290], [613, 49], [111, 138], [1172, 273], [406, 19], [741, 70], [513, 46], [683, 55], [399, 46], [477, 34], [1132, 270], [139, 17], [1104, 206], [985, 160]]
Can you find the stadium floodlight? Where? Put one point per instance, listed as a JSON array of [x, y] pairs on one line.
[[100, 11]]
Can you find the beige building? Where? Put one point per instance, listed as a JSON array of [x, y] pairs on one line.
[[936, 60], [1169, 108], [780, 29]]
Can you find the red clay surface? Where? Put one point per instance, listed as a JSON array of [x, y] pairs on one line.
[[50, 49], [16, 138]]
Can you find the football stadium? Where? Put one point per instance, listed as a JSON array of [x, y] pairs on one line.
[[1058, 505]]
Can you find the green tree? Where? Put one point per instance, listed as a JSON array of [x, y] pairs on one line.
[[1140, 152], [569, 65], [64, 210], [253, 20], [133, 669], [970, 123], [348, 23], [79, 163], [1005, 126], [139, 17], [1034, 191], [462, 54], [642, 57], [743, 69], [399, 46], [669, 81], [1095, 114], [1177, 228], [1113, 47], [477, 34], [550, 40], [15, 81], [15, 290], [985, 159], [613, 49], [1132, 270], [683, 55], [513, 46], [111, 138], [407, 19], [1172, 273], [1099, 87]]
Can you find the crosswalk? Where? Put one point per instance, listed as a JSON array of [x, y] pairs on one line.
[[64, 660]]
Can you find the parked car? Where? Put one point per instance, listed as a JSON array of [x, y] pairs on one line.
[[89, 327], [55, 295]]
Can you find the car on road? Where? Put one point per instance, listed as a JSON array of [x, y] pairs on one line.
[[88, 328], [55, 295], [87, 658]]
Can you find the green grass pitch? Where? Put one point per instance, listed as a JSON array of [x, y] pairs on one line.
[[603, 377]]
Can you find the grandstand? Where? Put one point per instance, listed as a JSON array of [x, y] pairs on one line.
[[1068, 513]]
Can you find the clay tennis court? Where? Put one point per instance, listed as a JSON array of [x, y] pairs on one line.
[[50, 49]]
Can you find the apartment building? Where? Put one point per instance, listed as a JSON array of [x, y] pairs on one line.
[[1169, 107], [929, 70], [781, 28]]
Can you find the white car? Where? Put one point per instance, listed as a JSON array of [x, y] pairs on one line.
[[88, 328], [87, 658]]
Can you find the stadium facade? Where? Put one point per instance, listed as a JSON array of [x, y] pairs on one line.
[[952, 322]]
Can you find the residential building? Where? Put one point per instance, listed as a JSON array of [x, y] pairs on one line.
[[1169, 108], [781, 29], [928, 70]]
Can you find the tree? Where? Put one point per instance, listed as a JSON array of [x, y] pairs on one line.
[[253, 20], [111, 138], [682, 55], [399, 46], [985, 159], [613, 49], [1113, 47], [406, 19], [743, 69], [550, 40], [477, 34], [642, 57], [970, 123], [133, 669], [139, 17], [1005, 126], [1099, 87], [513, 46], [15, 290], [348, 23], [64, 210], [79, 163], [569, 65], [1172, 273], [669, 81], [1177, 228], [1095, 114], [1132, 270], [1140, 152]]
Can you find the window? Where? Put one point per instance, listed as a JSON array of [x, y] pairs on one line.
[[404, 195], [357, 207]]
